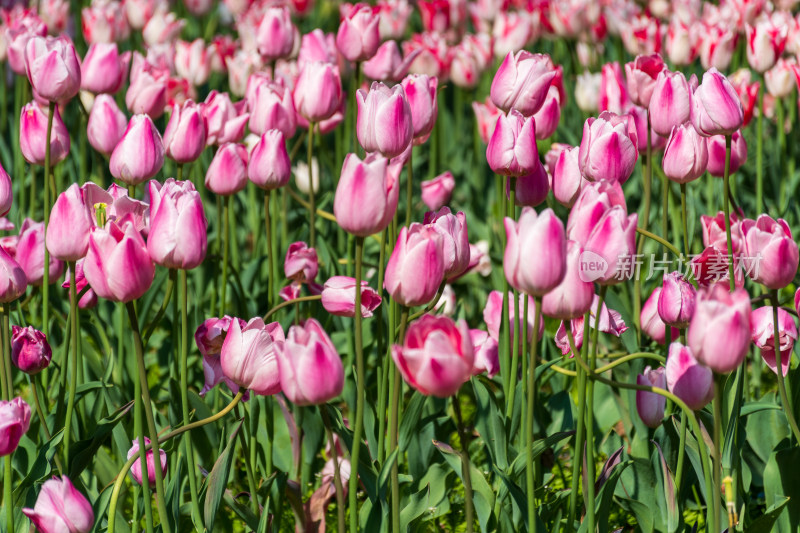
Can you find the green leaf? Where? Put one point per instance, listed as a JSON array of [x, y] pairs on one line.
[[482, 493], [218, 480], [673, 517], [87, 448], [603, 499], [766, 522], [42, 465], [539, 447], [411, 415], [489, 423]]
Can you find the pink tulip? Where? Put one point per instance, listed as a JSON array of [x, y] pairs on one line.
[[193, 61], [573, 296], [269, 167], [681, 42], [650, 405], [485, 349], [416, 267], [712, 266], [522, 82], [762, 331], [338, 297], [486, 115], [317, 91], [676, 303], [421, 93], [311, 370], [139, 155], [437, 356], [544, 237], [136, 467], [716, 109], [780, 79], [719, 333], [511, 31], [177, 237], [670, 102], [613, 95], [106, 125], [367, 193], [747, 89], [30, 254], [15, 419], [765, 43], [147, 92], [384, 120], [770, 254], [17, 34], [104, 69], [6, 193], [546, 119], [388, 65], [492, 316], [89, 298], [13, 281], [512, 149], [687, 379], [271, 107], [436, 192], [610, 322], [455, 240], [301, 263], [686, 154], [317, 46], [104, 22], [642, 74], [716, 154], [185, 135], [275, 35], [531, 189], [53, 68], [33, 135], [117, 265], [593, 201], [227, 173], [716, 44], [225, 121], [164, 27], [638, 115], [567, 179], [358, 37], [139, 12], [608, 149], [650, 320], [70, 224], [61, 508], [714, 232], [249, 356], [209, 338], [393, 17], [613, 241]]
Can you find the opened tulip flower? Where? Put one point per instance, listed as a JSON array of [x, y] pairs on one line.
[[249, 356], [117, 265], [455, 239], [177, 237], [762, 330], [650, 405], [60, 508], [15, 419], [301, 263], [139, 155], [338, 297], [771, 255], [384, 120], [311, 371], [136, 467], [366, 195], [416, 267], [719, 333], [542, 235], [609, 148], [521, 82], [53, 68], [33, 135]]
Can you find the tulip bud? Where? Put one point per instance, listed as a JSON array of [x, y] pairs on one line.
[[455, 240], [716, 154], [6, 193], [421, 93], [573, 296], [670, 102], [593, 201], [271, 107], [227, 173], [13, 281], [177, 237], [716, 108], [311, 370], [780, 79], [358, 37], [147, 92], [536, 252], [522, 82], [512, 149], [650, 405], [60, 507], [106, 125], [416, 267], [249, 356], [367, 193], [275, 35], [614, 240], [225, 121], [771, 255], [485, 350], [53, 68], [613, 95], [719, 333], [136, 467], [209, 338], [70, 224], [567, 178], [686, 155], [185, 135], [30, 254], [384, 120], [642, 74], [104, 69], [609, 148], [269, 167], [531, 189], [436, 192], [317, 91], [338, 297], [765, 43], [139, 155], [15, 419], [687, 379], [117, 265], [33, 135], [676, 302], [437, 355], [762, 331]]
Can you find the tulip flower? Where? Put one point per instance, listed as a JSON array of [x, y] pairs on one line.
[[714, 232], [712, 266], [650, 405], [139, 155], [762, 331], [642, 74], [716, 154], [30, 254], [638, 115], [544, 236], [271, 107], [651, 322], [71, 222], [17, 34], [780, 79], [225, 121], [311, 370], [531, 189], [388, 64], [436, 192], [610, 322], [546, 119], [719, 333], [613, 241], [366, 195], [687, 379], [6, 193], [437, 356], [275, 36], [771, 255], [766, 40], [587, 92], [681, 42], [416, 267], [686, 154], [104, 22], [338, 297], [301, 263], [522, 82], [676, 302], [592, 203], [512, 149], [573, 296], [492, 316], [716, 108], [33, 135], [269, 167], [609, 148], [227, 173], [510, 32], [53, 68], [421, 93], [61, 508], [106, 125], [13, 280], [455, 240], [136, 467], [486, 115], [117, 265], [104, 69], [185, 135], [747, 89], [358, 37], [717, 43], [89, 298], [177, 237], [317, 91], [670, 102], [209, 338], [485, 350], [164, 27], [249, 356], [147, 92], [567, 179], [15, 419], [384, 120], [613, 95]]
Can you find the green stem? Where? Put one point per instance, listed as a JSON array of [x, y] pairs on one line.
[[529, 415], [514, 368], [270, 256], [46, 278], [665, 210], [686, 239], [248, 465], [5, 380], [645, 221], [663, 242], [787, 405], [630, 357], [581, 426], [169, 289], [73, 360], [225, 251], [465, 468], [138, 429], [337, 479], [7, 501], [179, 172], [716, 494], [505, 346], [760, 153], [394, 412], [590, 466], [148, 413], [409, 187], [287, 303], [358, 429], [681, 457], [312, 212], [727, 207]]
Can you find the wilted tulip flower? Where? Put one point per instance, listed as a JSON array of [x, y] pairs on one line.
[[139, 155], [366, 195], [33, 135], [106, 125], [762, 330], [613, 243], [687, 379], [358, 37], [117, 265], [185, 135], [15, 418], [227, 173], [317, 91], [421, 93], [209, 337], [670, 102], [521, 82], [536, 252], [573, 296], [609, 148], [249, 357], [676, 302], [177, 237], [416, 267], [225, 121], [275, 35], [311, 371], [771, 255], [650, 405], [719, 333], [61, 508], [269, 167], [436, 192], [686, 154], [455, 239], [716, 108], [30, 254], [485, 349], [716, 154], [339, 293], [136, 467], [384, 120], [53, 68], [437, 355], [512, 149], [70, 223], [642, 74], [104, 69]]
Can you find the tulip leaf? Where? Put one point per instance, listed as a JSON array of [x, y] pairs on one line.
[[602, 501], [673, 517], [766, 522], [483, 495], [218, 479], [517, 468], [411, 416], [42, 466], [87, 448], [489, 423]]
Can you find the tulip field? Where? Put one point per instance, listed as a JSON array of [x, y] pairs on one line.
[[399, 266]]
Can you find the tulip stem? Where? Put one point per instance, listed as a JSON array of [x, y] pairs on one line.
[[179, 172], [529, 415], [248, 466], [663, 242], [360, 398], [7, 350], [73, 360], [719, 385], [46, 277], [225, 251], [465, 467], [7, 493], [665, 210], [590, 466], [581, 424], [514, 367], [138, 430], [727, 207], [686, 248], [760, 153], [287, 303], [787, 405], [337, 477], [148, 412], [410, 186], [163, 309], [312, 201], [504, 347], [39, 411], [187, 442], [112, 508], [394, 414], [681, 457], [270, 256], [647, 183]]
